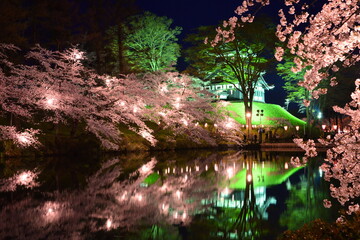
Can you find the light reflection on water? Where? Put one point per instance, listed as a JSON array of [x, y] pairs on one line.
[[186, 195]]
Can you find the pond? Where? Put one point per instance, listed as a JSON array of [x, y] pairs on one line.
[[165, 195]]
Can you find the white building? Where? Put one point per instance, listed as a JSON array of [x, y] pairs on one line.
[[228, 91]]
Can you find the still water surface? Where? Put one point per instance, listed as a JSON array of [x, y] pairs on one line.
[[168, 195]]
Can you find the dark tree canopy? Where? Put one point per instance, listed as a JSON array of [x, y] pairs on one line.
[[58, 25]]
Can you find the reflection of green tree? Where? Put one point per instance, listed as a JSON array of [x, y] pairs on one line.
[[249, 223], [305, 201], [244, 222]]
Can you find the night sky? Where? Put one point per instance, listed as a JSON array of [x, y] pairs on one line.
[[190, 14]]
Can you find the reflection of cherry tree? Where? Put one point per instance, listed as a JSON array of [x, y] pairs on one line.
[[107, 204], [160, 196], [26, 179]]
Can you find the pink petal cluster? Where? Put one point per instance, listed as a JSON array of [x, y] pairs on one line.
[[64, 90]]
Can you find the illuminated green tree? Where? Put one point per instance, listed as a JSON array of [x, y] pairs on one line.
[[150, 42], [296, 93], [240, 58]]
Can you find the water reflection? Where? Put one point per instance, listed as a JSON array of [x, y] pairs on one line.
[[305, 199], [200, 195]]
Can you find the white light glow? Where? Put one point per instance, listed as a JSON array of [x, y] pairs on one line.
[[228, 125], [123, 196], [226, 191], [77, 56], [108, 224], [50, 101], [145, 168], [139, 197], [178, 194], [23, 177], [163, 187], [230, 172], [249, 177], [23, 139]]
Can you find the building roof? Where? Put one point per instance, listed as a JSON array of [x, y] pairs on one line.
[[213, 80]]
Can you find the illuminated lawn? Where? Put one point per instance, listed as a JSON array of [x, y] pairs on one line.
[[151, 179], [271, 111], [262, 177]]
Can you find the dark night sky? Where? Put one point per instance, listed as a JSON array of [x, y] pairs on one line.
[[190, 14]]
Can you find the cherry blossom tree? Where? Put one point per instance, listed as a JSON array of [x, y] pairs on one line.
[[14, 101], [321, 42], [58, 88]]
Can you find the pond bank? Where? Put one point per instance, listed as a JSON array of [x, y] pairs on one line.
[[283, 147]]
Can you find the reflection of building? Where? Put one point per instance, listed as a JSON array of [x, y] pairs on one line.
[[228, 91], [236, 200]]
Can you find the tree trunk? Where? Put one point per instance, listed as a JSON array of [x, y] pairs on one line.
[[248, 109]]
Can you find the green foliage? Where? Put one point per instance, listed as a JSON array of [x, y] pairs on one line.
[[295, 93], [201, 56], [151, 179], [305, 202], [241, 61], [150, 42]]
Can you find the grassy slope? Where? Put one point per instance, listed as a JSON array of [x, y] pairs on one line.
[[271, 111], [269, 177]]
